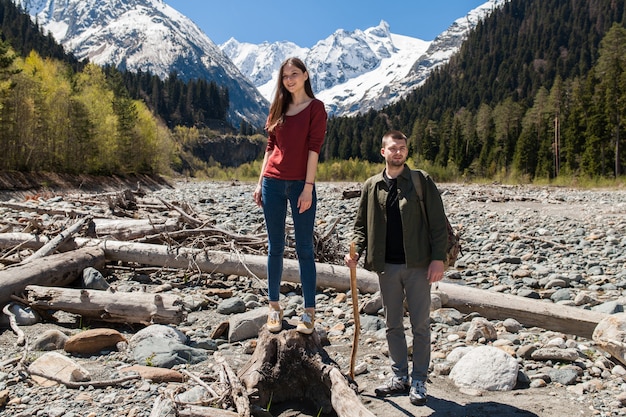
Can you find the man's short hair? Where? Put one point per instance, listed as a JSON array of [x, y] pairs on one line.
[[394, 134]]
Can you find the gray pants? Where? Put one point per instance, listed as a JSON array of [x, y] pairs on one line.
[[396, 283]]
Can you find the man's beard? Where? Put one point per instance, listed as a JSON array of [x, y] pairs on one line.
[[397, 162]]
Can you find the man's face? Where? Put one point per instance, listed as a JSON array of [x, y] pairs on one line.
[[395, 152]]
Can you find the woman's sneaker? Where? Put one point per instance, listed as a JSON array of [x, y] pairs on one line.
[[306, 324], [395, 385], [275, 320], [417, 395]]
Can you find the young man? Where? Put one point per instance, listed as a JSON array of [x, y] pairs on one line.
[[407, 252]]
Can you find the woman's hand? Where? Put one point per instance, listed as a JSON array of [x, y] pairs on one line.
[[257, 195], [306, 198]]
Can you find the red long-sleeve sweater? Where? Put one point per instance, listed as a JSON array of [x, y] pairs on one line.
[[291, 141]]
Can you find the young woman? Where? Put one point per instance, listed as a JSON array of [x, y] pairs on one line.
[[296, 126]]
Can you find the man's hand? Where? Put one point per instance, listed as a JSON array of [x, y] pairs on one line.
[[435, 271], [351, 262]]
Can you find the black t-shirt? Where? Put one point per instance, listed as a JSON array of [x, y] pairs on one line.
[[394, 253]]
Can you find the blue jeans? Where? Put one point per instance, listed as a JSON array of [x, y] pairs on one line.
[[275, 194]]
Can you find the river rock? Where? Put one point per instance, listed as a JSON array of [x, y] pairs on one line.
[[610, 336], [487, 368]]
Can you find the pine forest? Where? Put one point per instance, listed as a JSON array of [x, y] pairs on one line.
[[538, 90]]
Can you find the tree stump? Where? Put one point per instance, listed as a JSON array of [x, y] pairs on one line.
[[291, 366]]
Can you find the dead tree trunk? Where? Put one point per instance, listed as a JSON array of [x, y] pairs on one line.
[[118, 307], [529, 312], [53, 270], [292, 366], [228, 263], [51, 246], [333, 276], [491, 305], [128, 229], [23, 240]]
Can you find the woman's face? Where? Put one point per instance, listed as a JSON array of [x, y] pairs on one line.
[[294, 78]]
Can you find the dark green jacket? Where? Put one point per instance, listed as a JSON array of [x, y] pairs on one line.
[[420, 244]]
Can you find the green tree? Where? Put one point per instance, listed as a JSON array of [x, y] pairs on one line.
[[611, 72], [575, 124], [534, 127], [556, 104], [93, 92], [8, 71], [507, 118], [485, 135]]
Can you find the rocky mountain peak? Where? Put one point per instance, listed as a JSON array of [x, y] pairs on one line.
[[146, 35]]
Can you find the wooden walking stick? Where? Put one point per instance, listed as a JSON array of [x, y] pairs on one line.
[[355, 312]]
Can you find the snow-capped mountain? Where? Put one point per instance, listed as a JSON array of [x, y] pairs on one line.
[[148, 35], [353, 72], [260, 62]]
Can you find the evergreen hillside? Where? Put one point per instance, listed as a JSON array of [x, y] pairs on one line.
[[178, 103], [61, 115], [537, 90]]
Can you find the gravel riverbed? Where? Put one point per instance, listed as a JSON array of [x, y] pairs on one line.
[[557, 244]]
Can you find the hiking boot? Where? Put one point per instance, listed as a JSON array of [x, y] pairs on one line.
[[306, 324], [417, 395], [275, 320], [395, 385]]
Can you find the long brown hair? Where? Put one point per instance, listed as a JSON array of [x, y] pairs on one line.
[[282, 97]]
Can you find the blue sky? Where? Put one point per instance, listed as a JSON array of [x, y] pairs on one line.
[[306, 22]]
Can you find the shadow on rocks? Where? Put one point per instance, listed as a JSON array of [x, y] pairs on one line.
[[445, 408], [438, 407]]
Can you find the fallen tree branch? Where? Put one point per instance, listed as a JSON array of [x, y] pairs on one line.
[[115, 307], [59, 239], [11, 361], [42, 210], [200, 382], [237, 390], [529, 312], [177, 235], [75, 384], [189, 219], [21, 339], [54, 270], [333, 276]]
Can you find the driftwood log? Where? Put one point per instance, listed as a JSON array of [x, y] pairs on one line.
[[53, 270], [23, 240], [292, 366], [45, 210], [529, 312], [58, 240], [115, 307], [328, 276], [491, 305], [198, 411], [228, 263], [128, 229]]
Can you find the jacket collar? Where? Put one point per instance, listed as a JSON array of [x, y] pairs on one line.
[[406, 174]]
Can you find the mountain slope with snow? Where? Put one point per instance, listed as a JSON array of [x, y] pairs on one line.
[[146, 35], [353, 72]]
